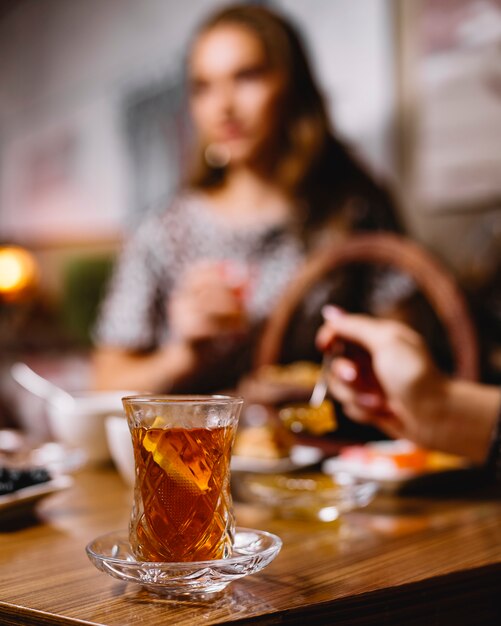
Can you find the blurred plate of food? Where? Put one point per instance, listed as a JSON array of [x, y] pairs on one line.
[[21, 489], [395, 465], [264, 444]]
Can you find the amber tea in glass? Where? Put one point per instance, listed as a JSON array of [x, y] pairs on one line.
[[182, 503]]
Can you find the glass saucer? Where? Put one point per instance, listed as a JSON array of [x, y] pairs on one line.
[[313, 496], [252, 551]]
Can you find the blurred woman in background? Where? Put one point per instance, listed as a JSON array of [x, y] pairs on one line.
[[269, 182]]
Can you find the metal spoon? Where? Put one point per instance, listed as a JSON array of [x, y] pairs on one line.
[[320, 389], [40, 386]]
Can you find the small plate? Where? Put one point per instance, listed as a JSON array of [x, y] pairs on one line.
[[313, 496], [252, 551], [392, 478], [26, 497], [300, 457], [406, 482], [377, 461]]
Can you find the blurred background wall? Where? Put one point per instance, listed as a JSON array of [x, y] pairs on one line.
[[74, 76], [67, 71], [92, 121]]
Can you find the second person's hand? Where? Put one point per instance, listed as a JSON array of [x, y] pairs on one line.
[[407, 390]]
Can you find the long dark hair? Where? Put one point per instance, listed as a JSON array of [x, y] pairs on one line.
[[314, 167]]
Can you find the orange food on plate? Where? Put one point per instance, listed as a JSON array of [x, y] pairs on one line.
[[303, 417], [399, 456]]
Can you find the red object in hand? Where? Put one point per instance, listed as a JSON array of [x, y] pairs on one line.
[[237, 276], [366, 381]]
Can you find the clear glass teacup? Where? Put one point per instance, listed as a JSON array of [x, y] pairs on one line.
[[182, 450]]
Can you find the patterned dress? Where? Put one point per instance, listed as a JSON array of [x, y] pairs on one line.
[[133, 316]]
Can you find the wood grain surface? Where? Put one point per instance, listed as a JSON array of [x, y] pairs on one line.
[[399, 561]]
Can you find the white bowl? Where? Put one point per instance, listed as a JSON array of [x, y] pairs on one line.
[[81, 424], [120, 447]]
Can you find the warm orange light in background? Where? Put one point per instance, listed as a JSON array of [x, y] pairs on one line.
[[18, 272]]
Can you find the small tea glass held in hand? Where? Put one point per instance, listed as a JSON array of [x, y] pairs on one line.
[[182, 502]]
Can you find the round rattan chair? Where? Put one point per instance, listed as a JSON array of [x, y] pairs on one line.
[[436, 283]]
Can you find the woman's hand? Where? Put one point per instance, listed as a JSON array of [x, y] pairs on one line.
[[208, 303], [385, 375]]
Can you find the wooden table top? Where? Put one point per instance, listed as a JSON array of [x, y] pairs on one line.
[[398, 561]]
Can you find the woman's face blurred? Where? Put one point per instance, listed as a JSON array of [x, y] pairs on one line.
[[235, 94]]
